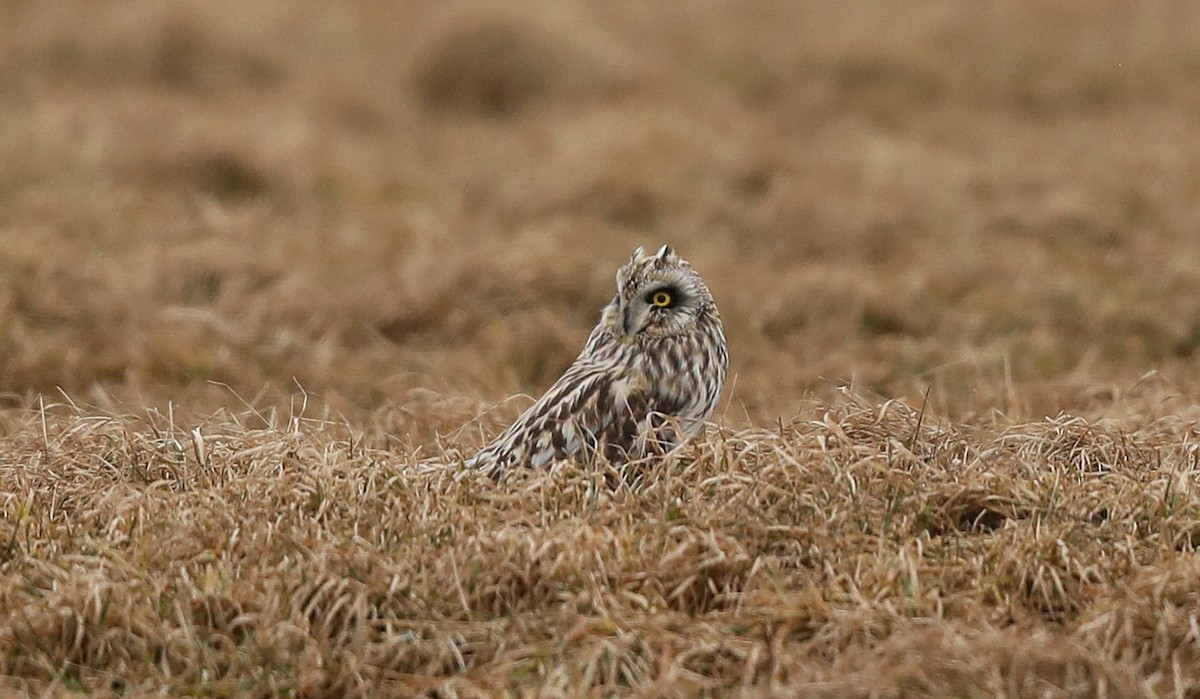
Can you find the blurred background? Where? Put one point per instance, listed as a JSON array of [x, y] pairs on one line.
[[418, 207]]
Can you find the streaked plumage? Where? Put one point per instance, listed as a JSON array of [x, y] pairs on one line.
[[648, 377]]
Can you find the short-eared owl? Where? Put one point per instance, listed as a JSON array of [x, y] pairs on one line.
[[648, 377]]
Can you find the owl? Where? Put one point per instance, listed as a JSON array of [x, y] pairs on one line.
[[648, 377]]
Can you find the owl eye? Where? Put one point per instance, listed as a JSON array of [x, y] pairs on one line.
[[661, 299]]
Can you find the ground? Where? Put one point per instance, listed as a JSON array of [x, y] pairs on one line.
[[263, 265]]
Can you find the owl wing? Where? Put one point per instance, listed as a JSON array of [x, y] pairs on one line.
[[593, 408]]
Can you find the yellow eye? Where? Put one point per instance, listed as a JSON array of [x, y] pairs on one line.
[[662, 299]]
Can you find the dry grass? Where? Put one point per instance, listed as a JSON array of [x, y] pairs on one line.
[[859, 548], [260, 262]]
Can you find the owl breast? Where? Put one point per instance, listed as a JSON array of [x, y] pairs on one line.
[[683, 374]]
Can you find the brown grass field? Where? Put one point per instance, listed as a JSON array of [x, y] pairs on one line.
[[260, 261]]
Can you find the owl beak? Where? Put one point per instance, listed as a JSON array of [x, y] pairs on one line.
[[632, 318]]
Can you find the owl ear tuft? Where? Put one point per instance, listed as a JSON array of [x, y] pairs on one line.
[[665, 253], [638, 254]]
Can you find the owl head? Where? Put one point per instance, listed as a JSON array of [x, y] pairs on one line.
[[658, 296]]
